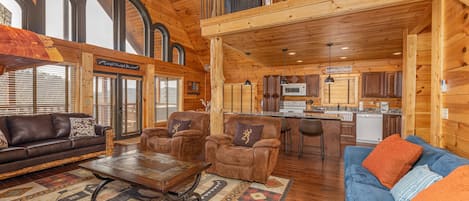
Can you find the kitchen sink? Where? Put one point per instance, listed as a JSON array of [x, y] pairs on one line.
[[345, 115]]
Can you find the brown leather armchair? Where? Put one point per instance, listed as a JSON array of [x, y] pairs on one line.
[[247, 163], [184, 145]]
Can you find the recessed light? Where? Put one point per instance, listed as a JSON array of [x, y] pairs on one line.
[[397, 53], [291, 53], [343, 57], [299, 61], [345, 48]]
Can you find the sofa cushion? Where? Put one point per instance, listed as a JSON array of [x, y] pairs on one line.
[[25, 129], [247, 135], [412, 183], [82, 127], [44, 147], [61, 122], [429, 155], [363, 192], [453, 187], [3, 141], [240, 156], [178, 125], [12, 154], [392, 159], [79, 142], [447, 163], [358, 174]]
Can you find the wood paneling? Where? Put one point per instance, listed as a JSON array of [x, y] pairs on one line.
[[455, 130], [238, 97], [410, 75], [375, 34], [438, 58], [423, 86], [239, 67]]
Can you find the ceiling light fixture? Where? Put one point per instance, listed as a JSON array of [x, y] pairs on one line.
[[299, 61], [329, 79], [397, 53], [292, 53], [345, 48]]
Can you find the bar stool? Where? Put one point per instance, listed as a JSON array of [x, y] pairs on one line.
[[286, 135], [311, 127]]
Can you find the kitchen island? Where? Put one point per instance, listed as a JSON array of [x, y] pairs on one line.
[[331, 125]]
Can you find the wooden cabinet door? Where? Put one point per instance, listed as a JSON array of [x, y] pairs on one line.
[[391, 125], [271, 93], [398, 85], [312, 85], [373, 85], [393, 84]]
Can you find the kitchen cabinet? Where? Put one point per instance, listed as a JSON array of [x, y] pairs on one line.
[[348, 131], [271, 93], [312, 85], [382, 85], [391, 125]]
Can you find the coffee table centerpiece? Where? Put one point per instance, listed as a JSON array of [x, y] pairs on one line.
[[154, 171]]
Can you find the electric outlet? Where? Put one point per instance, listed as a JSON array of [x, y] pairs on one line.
[[444, 113]]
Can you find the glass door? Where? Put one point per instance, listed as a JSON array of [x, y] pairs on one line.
[[104, 104], [130, 106]]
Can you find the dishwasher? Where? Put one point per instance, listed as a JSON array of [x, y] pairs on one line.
[[369, 128]]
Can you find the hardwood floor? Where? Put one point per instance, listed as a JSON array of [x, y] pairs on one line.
[[312, 178]]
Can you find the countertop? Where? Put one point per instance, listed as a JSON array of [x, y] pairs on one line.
[[295, 115]]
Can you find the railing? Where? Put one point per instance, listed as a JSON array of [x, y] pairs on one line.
[[213, 8]]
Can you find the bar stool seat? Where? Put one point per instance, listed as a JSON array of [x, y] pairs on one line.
[[312, 128], [286, 135]]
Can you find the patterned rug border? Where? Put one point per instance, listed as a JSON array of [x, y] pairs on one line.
[[287, 189]]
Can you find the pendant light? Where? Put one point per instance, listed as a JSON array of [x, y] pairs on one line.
[[329, 79], [284, 80]]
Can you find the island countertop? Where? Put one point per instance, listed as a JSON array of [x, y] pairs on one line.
[[294, 115]]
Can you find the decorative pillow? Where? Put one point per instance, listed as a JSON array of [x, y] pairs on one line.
[[81, 127], [418, 179], [454, 187], [247, 135], [392, 159], [3, 141], [178, 125]]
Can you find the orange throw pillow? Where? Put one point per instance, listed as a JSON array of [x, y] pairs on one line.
[[392, 159], [454, 187]]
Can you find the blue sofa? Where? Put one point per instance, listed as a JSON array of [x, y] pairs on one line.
[[361, 185]]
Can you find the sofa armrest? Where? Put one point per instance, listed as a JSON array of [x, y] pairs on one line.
[[355, 155], [267, 143], [101, 130], [188, 133], [158, 132], [220, 139]]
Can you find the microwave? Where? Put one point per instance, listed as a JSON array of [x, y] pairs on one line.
[[298, 89]]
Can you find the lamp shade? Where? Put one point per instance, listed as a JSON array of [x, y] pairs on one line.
[[247, 83], [329, 80]]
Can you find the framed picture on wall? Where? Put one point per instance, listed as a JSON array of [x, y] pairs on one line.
[[193, 88]]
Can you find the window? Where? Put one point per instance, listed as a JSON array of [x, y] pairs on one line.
[[178, 54], [58, 19], [10, 13], [167, 92], [158, 45], [104, 99], [99, 24], [37, 90], [343, 91], [135, 30]]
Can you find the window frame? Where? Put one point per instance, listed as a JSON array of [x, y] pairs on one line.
[[355, 97], [181, 52], [180, 98], [165, 43]]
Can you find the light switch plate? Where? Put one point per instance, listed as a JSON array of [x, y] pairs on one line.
[[444, 113]]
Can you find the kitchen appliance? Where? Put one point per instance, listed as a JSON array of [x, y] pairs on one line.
[[297, 89], [384, 107], [360, 106], [369, 128], [292, 106]]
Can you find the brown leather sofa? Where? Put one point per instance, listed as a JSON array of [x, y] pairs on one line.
[[184, 145], [42, 141], [247, 163]]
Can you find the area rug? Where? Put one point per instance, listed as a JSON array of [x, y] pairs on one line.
[[78, 185], [130, 141]]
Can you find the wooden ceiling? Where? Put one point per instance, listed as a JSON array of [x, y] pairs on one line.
[[375, 34]]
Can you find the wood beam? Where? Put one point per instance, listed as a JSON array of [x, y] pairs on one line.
[[410, 85], [425, 22], [289, 12], [217, 81], [86, 85], [465, 2], [436, 72], [149, 97]]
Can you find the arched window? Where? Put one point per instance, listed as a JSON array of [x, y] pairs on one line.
[[58, 19], [99, 24], [135, 35], [178, 55], [160, 42], [12, 14]]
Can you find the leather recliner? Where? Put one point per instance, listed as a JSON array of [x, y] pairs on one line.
[[184, 145], [254, 163]]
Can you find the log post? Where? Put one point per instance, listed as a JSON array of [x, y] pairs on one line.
[[149, 98], [86, 85], [217, 81], [410, 88]]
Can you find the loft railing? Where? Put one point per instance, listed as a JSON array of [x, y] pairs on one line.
[[213, 8]]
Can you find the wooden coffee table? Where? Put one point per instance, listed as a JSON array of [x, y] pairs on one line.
[[154, 171]]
